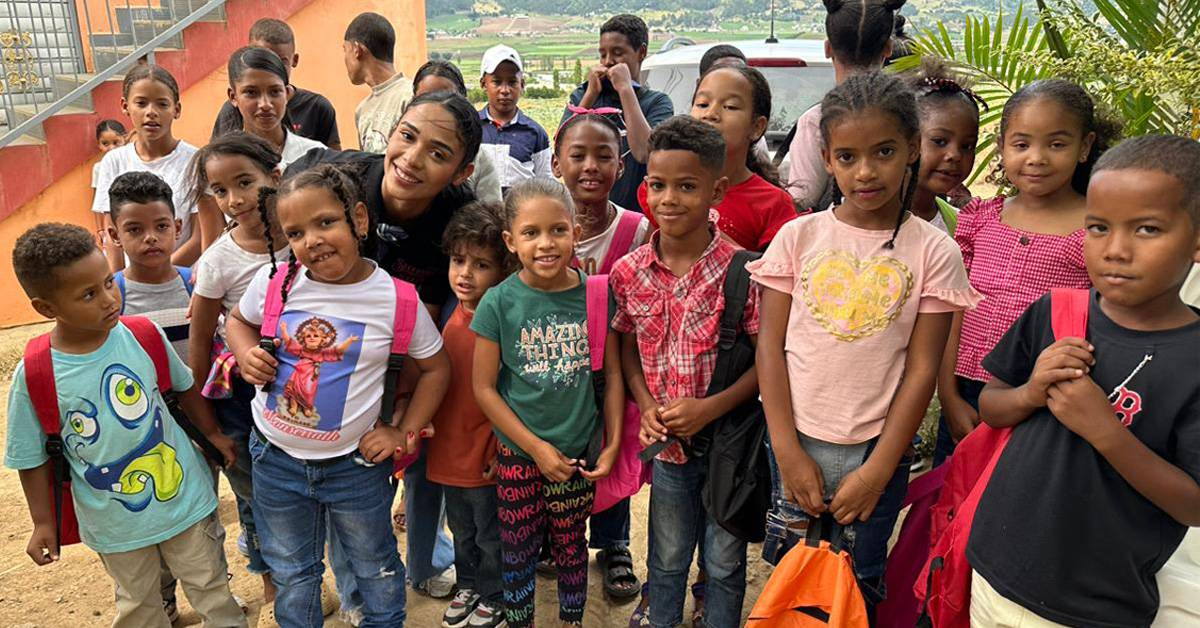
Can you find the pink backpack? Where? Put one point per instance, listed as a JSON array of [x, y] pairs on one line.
[[628, 475], [403, 324], [944, 584]]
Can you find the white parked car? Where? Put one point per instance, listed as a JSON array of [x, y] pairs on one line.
[[796, 69]]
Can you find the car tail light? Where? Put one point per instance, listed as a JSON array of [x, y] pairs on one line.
[[765, 62]]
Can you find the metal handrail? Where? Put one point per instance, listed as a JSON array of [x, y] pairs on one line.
[[128, 60]]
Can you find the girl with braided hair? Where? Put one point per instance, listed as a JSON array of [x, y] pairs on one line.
[[331, 292], [949, 135], [233, 169], [855, 309]]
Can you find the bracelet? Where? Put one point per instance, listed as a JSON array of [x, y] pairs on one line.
[[868, 486]]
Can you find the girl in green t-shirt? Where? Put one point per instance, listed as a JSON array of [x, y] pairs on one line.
[[533, 379]]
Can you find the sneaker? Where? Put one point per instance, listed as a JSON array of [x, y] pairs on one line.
[[243, 544], [440, 586], [486, 615], [460, 608], [172, 610], [352, 617]]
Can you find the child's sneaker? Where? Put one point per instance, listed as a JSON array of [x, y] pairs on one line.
[[460, 608], [440, 586], [486, 615]]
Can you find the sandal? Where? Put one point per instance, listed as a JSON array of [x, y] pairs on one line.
[[699, 593], [641, 615], [620, 582]]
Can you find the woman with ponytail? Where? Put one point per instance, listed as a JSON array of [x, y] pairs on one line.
[[857, 303]]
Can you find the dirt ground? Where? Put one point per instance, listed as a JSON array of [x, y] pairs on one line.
[[77, 592]]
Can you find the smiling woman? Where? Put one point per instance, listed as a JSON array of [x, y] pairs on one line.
[[413, 190]]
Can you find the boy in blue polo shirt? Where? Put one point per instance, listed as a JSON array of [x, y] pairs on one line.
[[519, 146]]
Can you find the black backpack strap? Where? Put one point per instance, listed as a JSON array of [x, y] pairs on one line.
[[736, 291]]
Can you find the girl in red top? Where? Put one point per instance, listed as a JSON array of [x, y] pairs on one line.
[[1018, 248], [736, 99]]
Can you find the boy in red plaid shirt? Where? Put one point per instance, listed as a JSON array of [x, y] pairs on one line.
[[669, 304]]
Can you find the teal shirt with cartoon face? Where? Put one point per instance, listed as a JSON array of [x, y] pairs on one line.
[[545, 362], [136, 478]]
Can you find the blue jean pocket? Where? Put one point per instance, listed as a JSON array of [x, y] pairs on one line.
[[256, 446]]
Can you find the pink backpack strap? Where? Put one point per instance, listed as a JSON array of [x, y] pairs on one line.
[[597, 318], [627, 226], [405, 320], [403, 324], [1069, 312], [273, 303], [147, 335]]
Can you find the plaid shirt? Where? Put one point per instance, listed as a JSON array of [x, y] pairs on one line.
[[676, 319], [1012, 268]]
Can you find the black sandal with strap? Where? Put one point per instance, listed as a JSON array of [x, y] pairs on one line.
[[620, 582]]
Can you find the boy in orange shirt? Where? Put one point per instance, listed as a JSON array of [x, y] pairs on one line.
[[462, 454]]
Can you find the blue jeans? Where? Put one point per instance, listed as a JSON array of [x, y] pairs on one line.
[[610, 528], [969, 390], [349, 597], [235, 419], [293, 500], [474, 520], [430, 551], [677, 521], [870, 537]]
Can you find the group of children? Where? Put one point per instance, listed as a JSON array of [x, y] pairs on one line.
[[360, 308]]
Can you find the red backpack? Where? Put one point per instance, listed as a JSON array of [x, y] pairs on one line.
[[945, 582], [43, 395], [403, 323]]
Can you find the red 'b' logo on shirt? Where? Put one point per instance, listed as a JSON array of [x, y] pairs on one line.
[[1127, 405]]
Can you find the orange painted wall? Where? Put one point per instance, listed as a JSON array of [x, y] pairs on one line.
[[318, 27]]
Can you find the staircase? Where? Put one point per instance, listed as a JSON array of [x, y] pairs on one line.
[[197, 38]]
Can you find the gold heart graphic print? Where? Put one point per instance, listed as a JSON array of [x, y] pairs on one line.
[[854, 298]]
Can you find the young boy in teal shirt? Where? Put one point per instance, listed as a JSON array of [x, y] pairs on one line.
[[141, 492]]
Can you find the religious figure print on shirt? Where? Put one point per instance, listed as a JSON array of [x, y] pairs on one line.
[[317, 356]]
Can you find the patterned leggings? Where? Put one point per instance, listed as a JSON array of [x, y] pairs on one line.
[[528, 504]]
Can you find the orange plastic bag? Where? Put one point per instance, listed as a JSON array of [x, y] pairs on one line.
[[813, 586]]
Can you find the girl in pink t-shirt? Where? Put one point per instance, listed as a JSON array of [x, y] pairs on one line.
[[857, 304], [1016, 249]]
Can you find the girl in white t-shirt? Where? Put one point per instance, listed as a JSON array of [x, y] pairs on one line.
[[233, 169], [110, 134], [587, 157], [320, 449], [260, 89], [150, 97]]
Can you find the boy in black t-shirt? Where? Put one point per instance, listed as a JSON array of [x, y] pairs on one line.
[[1099, 481]]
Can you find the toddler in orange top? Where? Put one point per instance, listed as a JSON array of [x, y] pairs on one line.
[[462, 454]]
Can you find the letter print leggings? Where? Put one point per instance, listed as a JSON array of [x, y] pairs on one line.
[[529, 503]]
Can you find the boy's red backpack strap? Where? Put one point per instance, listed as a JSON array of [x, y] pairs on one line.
[[146, 333], [1069, 312], [43, 396], [597, 318], [39, 381], [627, 226]]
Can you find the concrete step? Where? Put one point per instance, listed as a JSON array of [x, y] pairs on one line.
[[22, 113], [107, 57]]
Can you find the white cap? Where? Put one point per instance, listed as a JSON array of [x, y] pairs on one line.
[[494, 56]]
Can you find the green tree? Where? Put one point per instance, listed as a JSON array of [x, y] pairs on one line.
[[577, 73]]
